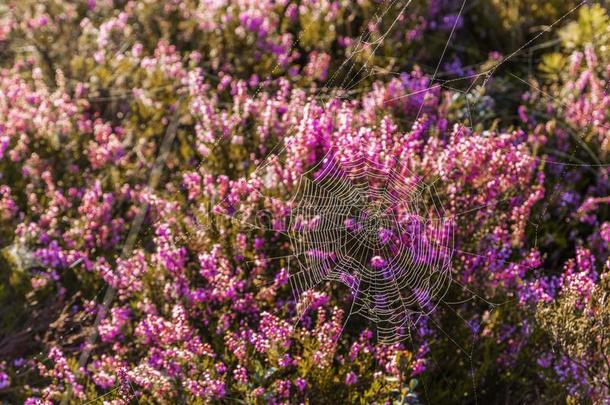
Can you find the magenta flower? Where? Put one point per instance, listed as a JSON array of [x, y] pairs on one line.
[[351, 378]]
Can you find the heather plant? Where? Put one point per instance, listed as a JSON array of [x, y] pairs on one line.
[[236, 103], [578, 76], [246, 40], [571, 98], [577, 325]]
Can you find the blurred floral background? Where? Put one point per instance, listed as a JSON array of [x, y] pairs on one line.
[[132, 131]]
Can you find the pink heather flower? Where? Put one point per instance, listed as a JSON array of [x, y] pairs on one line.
[[125, 390], [37, 401], [220, 368], [259, 243], [4, 142], [282, 277], [171, 257], [283, 388], [52, 256], [580, 276], [495, 56], [5, 381], [545, 360], [102, 377], [590, 56], [418, 367], [241, 375], [195, 57], [523, 114], [127, 275], [273, 330], [450, 21], [99, 57], [110, 329], [62, 371], [254, 81], [317, 68], [286, 361], [605, 232], [206, 387], [378, 262], [8, 206], [315, 299], [351, 378], [192, 182], [300, 383], [137, 49], [385, 235]]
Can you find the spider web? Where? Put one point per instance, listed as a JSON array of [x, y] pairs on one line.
[[375, 231]]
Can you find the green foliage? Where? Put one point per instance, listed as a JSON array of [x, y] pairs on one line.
[[592, 27]]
